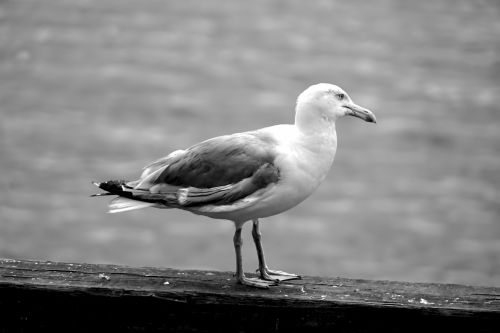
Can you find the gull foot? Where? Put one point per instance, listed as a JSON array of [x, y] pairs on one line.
[[278, 276], [256, 282]]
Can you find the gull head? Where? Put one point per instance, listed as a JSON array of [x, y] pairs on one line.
[[325, 103]]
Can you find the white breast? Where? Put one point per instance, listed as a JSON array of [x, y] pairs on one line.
[[304, 162]]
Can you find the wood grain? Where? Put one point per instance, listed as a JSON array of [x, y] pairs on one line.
[[83, 297]]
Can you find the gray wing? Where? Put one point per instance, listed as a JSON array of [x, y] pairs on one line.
[[217, 171]]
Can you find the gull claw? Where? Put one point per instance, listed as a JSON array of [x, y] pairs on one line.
[[257, 283], [278, 276]]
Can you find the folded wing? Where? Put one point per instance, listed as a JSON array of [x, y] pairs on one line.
[[218, 171]]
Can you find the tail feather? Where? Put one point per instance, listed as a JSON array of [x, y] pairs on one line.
[[129, 198], [101, 194], [122, 204]]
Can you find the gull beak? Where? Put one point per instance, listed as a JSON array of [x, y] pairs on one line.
[[360, 112]]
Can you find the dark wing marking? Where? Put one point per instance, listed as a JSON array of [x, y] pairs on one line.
[[219, 161], [228, 194]]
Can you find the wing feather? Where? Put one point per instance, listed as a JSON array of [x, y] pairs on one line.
[[267, 174], [218, 171], [219, 161]]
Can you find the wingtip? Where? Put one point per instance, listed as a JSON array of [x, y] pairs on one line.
[[99, 194]]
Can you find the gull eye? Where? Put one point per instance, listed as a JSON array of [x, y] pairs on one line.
[[340, 96]]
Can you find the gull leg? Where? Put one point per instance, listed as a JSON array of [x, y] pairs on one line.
[[265, 272], [240, 275]]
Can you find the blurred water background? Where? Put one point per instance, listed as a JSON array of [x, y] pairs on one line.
[[94, 90]]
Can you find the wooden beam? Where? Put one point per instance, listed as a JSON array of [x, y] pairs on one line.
[[55, 296]]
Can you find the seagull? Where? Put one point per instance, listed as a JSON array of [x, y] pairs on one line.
[[247, 176]]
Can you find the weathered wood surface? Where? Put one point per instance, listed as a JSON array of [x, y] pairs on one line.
[[83, 297]]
